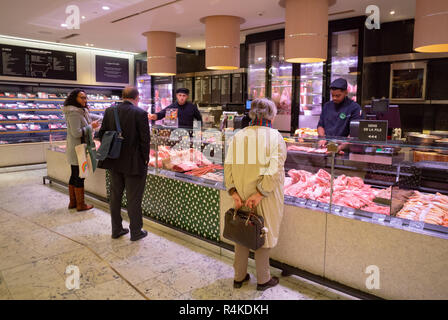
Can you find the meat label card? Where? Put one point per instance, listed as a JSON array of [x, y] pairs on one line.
[[372, 130], [27, 62]]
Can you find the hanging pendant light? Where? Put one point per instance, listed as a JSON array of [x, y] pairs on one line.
[[306, 30], [431, 26], [161, 53], [222, 42]]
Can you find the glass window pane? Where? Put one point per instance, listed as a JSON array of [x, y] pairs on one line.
[[311, 86], [281, 85], [344, 59], [257, 70]]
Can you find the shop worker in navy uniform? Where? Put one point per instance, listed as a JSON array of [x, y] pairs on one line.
[[186, 111], [129, 170], [337, 114]]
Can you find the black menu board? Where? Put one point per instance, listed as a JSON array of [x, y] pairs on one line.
[[372, 130], [237, 88], [225, 88], [216, 89], [111, 69], [206, 90], [198, 89], [189, 86], [27, 62]]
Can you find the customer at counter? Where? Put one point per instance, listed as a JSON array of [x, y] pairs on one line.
[[186, 111], [337, 114], [257, 184]]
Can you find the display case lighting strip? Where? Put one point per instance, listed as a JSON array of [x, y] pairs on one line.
[[65, 45]]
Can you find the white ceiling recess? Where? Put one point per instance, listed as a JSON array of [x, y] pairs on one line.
[[121, 27]]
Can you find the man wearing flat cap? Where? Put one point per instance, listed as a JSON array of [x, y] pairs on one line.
[[186, 111], [337, 114]]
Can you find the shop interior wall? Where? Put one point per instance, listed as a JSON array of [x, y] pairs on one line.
[[397, 38], [85, 63]]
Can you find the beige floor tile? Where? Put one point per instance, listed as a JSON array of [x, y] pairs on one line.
[[156, 290], [14, 254], [93, 271], [37, 280], [111, 290], [48, 243], [136, 271], [4, 292]]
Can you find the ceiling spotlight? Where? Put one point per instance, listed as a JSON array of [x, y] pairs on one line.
[[63, 25], [87, 44], [188, 46], [91, 44], [392, 12], [106, 8], [83, 17]]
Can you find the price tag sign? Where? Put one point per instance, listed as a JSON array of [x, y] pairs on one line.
[[372, 130], [377, 217], [416, 225], [396, 222]]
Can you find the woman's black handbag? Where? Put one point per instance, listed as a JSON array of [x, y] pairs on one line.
[[111, 142], [245, 228]]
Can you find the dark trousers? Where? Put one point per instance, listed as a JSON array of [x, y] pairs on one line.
[[75, 180], [135, 186]]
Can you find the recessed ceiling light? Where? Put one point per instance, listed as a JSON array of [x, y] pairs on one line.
[[91, 44], [392, 12], [83, 17], [188, 46], [87, 44], [63, 25], [106, 8]]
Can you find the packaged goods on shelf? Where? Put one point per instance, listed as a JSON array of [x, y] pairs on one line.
[[2, 128], [44, 117], [11, 106], [22, 127], [54, 126], [12, 117], [2, 141], [35, 127], [30, 95], [2, 117], [10, 94], [42, 95], [21, 96], [53, 117], [52, 96], [11, 127], [31, 105]]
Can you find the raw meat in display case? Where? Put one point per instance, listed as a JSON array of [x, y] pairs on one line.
[[430, 208]]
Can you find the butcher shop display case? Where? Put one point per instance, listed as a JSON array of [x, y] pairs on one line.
[[375, 182], [195, 155]]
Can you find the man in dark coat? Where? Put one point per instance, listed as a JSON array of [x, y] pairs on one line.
[[129, 170]]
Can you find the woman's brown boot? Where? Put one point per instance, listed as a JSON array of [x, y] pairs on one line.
[[71, 191], [80, 205]]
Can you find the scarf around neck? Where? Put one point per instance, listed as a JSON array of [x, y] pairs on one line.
[[261, 122]]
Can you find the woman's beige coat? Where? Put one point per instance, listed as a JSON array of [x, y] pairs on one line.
[[255, 162]]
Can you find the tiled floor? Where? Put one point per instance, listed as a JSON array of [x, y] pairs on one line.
[[40, 238]]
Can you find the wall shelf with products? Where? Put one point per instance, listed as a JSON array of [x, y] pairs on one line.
[[31, 116]]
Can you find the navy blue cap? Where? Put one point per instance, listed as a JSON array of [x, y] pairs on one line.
[[183, 90], [339, 83]]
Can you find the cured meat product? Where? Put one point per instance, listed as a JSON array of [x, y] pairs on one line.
[[377, 209], [429, 208], [204, 170], [184, 166], [307, 149]]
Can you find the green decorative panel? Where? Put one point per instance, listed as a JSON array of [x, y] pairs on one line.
[[184, 205]]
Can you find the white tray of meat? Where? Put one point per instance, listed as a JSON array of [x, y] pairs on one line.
[[24, 116], [11, 127], [12, 118], [11, 106], [2, 128]]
